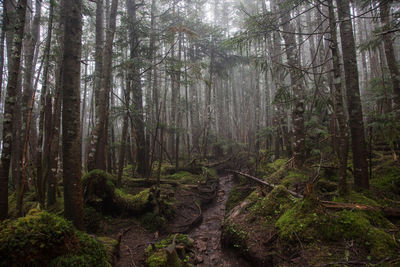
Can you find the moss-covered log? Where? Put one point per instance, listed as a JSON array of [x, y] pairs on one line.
[[99, 192]]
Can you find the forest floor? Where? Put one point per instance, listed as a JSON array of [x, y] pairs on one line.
[[206, 234]]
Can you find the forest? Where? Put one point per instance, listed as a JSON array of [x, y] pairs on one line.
[[199, 133]]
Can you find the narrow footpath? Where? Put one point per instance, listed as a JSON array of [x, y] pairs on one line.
[[207, 235]]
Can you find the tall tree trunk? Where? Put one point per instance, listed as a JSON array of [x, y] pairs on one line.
[[390, 56], [353, 96], [98, 76], [10, 103], [297, 88], [100, 131], [40, 162], [343, 138], [136, 88], [71, 72]]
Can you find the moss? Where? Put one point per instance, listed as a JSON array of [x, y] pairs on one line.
[[158, 256], [92, 219], [185, 177], [91, 253], [277, 170], [235, 236], [138, 202], [294, 177], [42, 237], [36, 238], [387, 178], [112, 248], [274, 204], [236, 195], [209, 172], [30, 202], [298, 222], [157, 259], [152, 222], [306, 223], [357, 197]]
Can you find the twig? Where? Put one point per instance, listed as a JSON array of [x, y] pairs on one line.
[[132, 261]]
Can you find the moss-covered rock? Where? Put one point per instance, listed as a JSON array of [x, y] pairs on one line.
[[274, 204], [41, 237], [165, 253], [308, 223]]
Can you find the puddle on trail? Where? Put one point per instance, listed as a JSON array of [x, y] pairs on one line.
[[207, 235]]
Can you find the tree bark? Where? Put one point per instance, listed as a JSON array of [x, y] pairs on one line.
[[71, 72], [10, 104], [390, 56], [136, 88], [298, 90], [342, 151], [356, 124], [100, 131]]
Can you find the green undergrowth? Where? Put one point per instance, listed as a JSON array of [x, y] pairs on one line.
[[273, 205], [236, 195], [185, 177], [386, 179], [42, 238], [306, 226], [308, 223], [173, 251]]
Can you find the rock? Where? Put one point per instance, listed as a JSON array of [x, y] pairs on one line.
[[201, 245], [198, 259]]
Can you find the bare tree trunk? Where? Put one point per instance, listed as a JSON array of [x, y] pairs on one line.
[[343, 138], [353, 96], [40, 162], [298, 91], [99, 136], [71, 72], [136, 88]]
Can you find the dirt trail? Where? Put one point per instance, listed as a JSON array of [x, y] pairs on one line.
[[207, 235]]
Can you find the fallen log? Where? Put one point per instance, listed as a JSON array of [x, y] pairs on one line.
[[214, 164], [386, 211], [264, 183]]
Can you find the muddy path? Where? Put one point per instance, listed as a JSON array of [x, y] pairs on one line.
[[207, 235]]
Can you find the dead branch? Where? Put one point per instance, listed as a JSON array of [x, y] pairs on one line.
[[261, 182], [386, 211]]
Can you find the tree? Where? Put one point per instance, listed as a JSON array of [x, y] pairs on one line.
[[390, 55], [71, 138], [296, 81], [10, 103], [136, 88], [356, 124]]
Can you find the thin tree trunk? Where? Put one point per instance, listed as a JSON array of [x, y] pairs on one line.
[[342, 151], [99, 136], [40, 163]]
